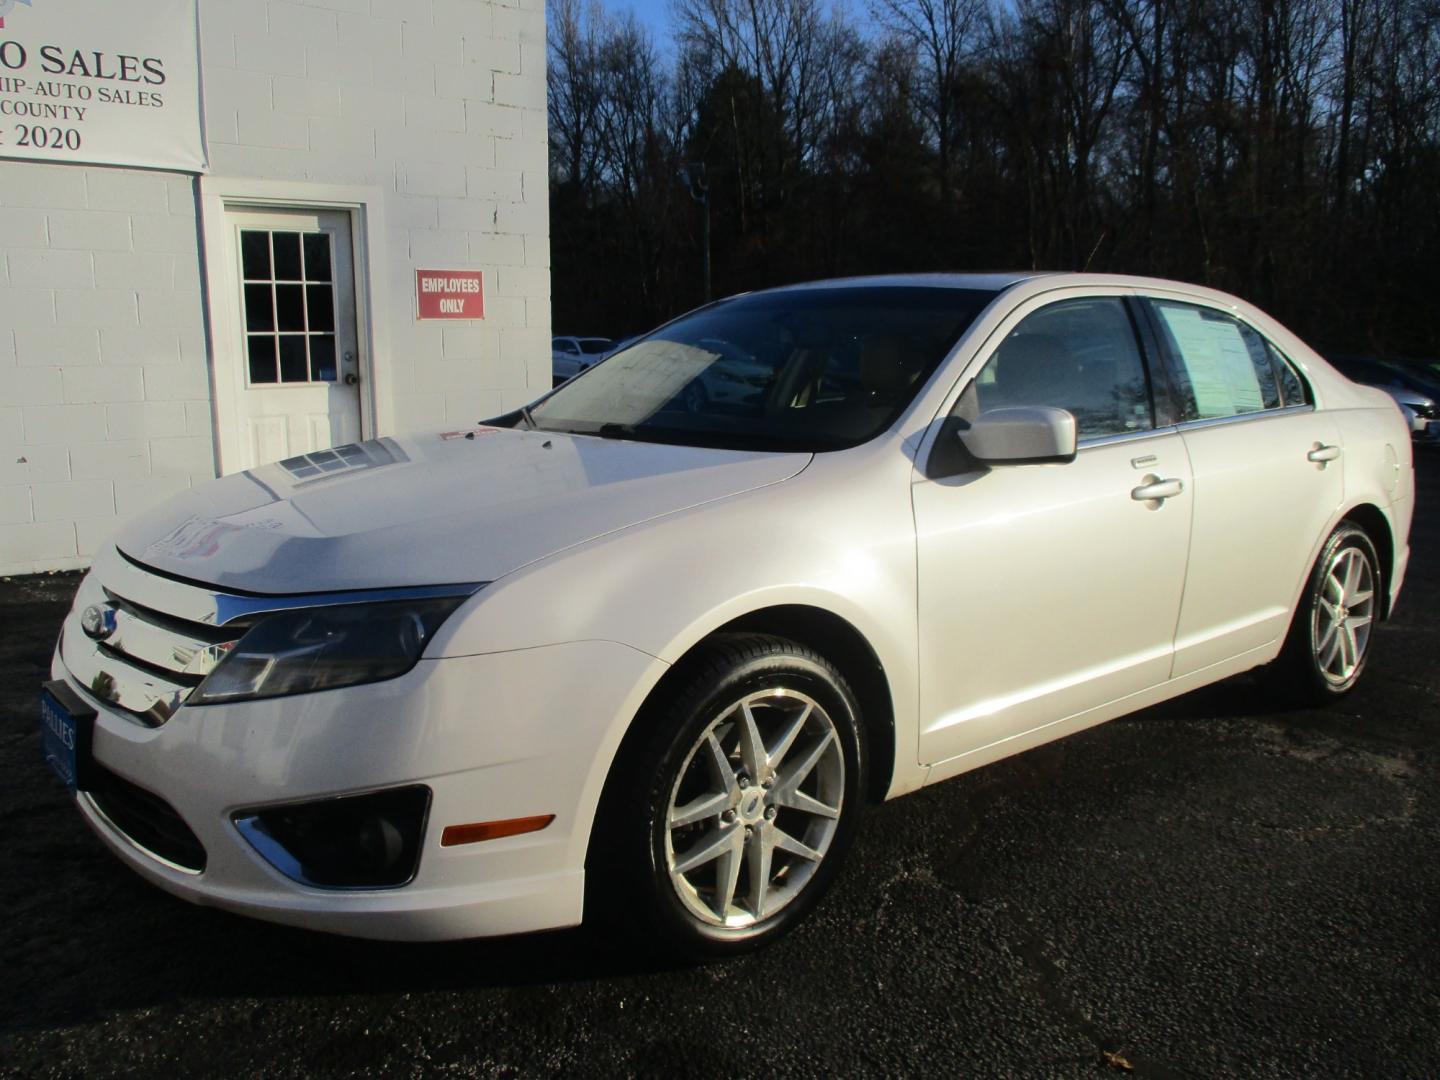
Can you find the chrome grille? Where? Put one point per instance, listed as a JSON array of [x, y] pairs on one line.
[[182, 649], [133, 657], [153, 637]]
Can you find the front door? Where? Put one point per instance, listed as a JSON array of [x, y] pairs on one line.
[[296, 382], [1046, 590]]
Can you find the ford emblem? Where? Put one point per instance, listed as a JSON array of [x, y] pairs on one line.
[[98, 621]]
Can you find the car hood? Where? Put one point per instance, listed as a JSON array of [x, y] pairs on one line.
[[435, 509]]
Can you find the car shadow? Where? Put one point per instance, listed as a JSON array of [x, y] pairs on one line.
[[149, 949]]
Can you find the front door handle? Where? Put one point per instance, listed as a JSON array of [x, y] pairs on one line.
[[1323, 453], [1156, 490]]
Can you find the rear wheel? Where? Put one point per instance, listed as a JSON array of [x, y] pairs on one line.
[[732, 817], [1329, 640]]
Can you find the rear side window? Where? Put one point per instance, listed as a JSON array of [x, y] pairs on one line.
[[1223, 367]]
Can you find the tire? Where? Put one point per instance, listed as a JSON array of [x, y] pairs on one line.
[[710, 842], [1329, 640]]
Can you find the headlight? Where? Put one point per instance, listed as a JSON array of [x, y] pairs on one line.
[[321, 648]]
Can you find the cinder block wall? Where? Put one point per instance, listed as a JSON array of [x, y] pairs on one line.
[[104, 371]]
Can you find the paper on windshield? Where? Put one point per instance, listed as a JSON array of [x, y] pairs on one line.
[[1222, 374]]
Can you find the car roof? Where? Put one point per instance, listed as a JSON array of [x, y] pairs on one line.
[[990, 282], [999, 281]]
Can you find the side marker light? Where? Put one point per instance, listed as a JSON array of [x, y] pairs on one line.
[[492, 830]]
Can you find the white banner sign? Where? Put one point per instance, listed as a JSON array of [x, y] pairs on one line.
[[110, 82]]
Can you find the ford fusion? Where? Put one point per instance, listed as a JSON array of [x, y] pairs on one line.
[[644, 650]]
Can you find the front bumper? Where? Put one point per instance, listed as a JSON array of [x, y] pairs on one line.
[[493, 737]]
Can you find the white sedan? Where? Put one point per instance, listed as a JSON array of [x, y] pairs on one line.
[[614, 656]]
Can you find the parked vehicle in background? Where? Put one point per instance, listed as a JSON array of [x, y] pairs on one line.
[[1413, 388], [621, 345], [617, 656], [571, 355]]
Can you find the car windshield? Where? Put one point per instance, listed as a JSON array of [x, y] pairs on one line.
[[804, 369], [592, 345]]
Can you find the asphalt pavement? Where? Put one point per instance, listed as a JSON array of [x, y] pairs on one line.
[[1208, 888]]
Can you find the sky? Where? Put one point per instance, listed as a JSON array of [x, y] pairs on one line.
[[655, 14]]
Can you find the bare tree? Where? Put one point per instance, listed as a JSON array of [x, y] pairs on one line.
[[944, 34]]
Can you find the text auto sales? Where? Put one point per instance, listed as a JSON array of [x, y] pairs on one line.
[[93, 64]]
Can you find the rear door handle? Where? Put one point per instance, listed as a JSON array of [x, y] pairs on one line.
[[1323, 453], [1155, 490]]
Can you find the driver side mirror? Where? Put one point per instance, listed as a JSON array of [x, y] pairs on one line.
[[1021, 435]]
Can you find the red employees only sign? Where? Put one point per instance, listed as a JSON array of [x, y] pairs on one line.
[[449, 294]]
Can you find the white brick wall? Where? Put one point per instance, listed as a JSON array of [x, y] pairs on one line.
[[104, 370], [77, 341]]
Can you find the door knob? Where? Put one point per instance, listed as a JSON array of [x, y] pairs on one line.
[[1157, 490], [351, 378]]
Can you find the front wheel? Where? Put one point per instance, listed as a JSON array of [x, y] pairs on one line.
[[733, 816], [1329, 641]]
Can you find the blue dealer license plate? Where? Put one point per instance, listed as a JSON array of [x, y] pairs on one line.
[[66, 726]]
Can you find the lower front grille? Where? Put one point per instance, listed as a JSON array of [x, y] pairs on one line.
[[146, 820]]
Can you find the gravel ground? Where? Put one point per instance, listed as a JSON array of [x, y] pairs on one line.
[[1210, 887]]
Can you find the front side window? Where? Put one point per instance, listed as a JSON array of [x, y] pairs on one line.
[[1079, 355], [564, 345], [1222, 366], [816, 368]]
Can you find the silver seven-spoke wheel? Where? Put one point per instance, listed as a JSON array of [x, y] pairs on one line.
[[754, 807], [1343, 616]]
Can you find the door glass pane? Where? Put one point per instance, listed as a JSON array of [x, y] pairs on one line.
[[287, 255], [1079, 355], [317, 257], [259, 309], [255, 253], [322, 357], [1223, 367], [321, 307], [293, 367], [290, 307], [262, 358]]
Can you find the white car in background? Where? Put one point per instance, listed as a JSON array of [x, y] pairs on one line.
[[611, 656], [571, 355], [1414, 394]]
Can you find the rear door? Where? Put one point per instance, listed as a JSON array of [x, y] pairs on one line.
[[1267, 480]]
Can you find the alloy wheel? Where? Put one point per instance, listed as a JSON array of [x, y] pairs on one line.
[[1343, 616], [754, 808]]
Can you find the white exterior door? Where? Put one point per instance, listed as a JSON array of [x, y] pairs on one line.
[[296, 372]]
